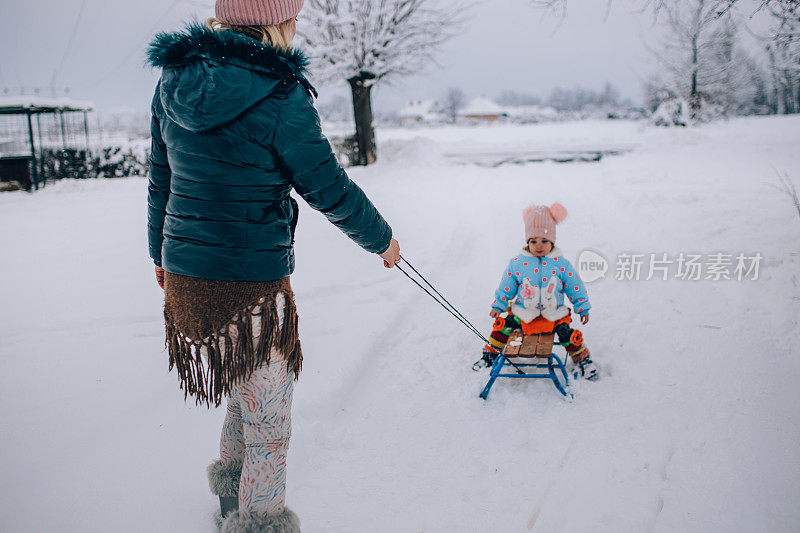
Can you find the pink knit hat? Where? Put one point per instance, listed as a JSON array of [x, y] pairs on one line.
[[540, 221], [257, 12]]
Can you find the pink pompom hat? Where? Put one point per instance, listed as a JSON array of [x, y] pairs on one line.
[[540, 221], [257, 12]]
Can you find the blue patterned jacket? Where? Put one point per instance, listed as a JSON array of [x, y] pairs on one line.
[[535, 286]]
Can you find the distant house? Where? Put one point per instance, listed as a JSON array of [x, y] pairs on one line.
[[482, 109], [418, 112]]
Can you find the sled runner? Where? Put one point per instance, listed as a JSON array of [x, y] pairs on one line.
[[532, 357]]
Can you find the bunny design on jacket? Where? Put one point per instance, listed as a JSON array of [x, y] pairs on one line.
[[534, 286]]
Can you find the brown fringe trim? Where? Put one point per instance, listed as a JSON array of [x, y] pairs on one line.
[[209, 364]]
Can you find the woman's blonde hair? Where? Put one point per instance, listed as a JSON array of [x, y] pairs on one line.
[[278, 36]]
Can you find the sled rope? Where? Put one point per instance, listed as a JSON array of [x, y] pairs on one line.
[[450, 308]]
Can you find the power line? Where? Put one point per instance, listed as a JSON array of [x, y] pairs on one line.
[[69, 45], [138, 47]]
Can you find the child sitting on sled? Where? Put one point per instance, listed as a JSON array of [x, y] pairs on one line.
[[532, 291]]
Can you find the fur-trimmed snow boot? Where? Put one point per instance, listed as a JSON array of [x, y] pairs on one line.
[[486, 360], [285, 522], [223, 480], [588, 368]]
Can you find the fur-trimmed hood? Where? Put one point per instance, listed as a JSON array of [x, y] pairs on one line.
[[211, 77]]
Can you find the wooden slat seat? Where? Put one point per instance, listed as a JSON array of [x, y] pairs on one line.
[[528, 346]]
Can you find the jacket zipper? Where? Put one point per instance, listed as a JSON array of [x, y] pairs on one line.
[[537, 282]]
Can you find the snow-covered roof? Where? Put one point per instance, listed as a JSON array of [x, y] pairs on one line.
[[481, 106], [16, 104], [419, 108]]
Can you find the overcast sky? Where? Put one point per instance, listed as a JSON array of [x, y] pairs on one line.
[[98, 51]]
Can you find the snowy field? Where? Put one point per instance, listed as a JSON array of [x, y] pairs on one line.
[[693, 427]]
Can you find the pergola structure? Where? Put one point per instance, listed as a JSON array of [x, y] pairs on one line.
[[32, 128]]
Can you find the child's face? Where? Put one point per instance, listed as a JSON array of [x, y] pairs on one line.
[[539, 246]]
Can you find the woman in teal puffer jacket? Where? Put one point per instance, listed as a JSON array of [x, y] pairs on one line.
[[233, 131]]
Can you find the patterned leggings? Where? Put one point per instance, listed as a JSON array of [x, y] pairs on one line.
[[256, 431], [503, 326]]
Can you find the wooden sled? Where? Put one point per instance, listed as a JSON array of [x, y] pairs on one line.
[[530, 357]]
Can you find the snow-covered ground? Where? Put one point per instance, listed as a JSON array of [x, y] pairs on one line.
[[694, 426]]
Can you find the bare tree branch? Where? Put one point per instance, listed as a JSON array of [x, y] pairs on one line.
[[559, 7], [383, 38], [787, 187]]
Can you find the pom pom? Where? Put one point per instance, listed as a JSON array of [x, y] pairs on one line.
[[558, 212], [530, 209]]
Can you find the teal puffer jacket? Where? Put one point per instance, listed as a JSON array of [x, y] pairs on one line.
[[233, 131]]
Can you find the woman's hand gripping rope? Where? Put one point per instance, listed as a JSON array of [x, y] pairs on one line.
[[392, 254]]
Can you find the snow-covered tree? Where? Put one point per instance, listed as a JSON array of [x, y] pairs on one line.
[[365, 42], [723, 6], [697, 56], [610, 96], [734, 80], [582, 98], [783, 48], [516, 98], [786, 30], [785, 80], [452, 101], [751, 86]]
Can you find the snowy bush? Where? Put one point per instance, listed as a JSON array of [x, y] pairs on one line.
[[101, 162], [673, 112], [65, 163], [119, 162], [678, 112]]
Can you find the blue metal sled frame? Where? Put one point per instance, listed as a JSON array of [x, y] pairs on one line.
[[553, 365]]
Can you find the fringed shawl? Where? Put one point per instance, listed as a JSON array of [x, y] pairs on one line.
[[209, 332]]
